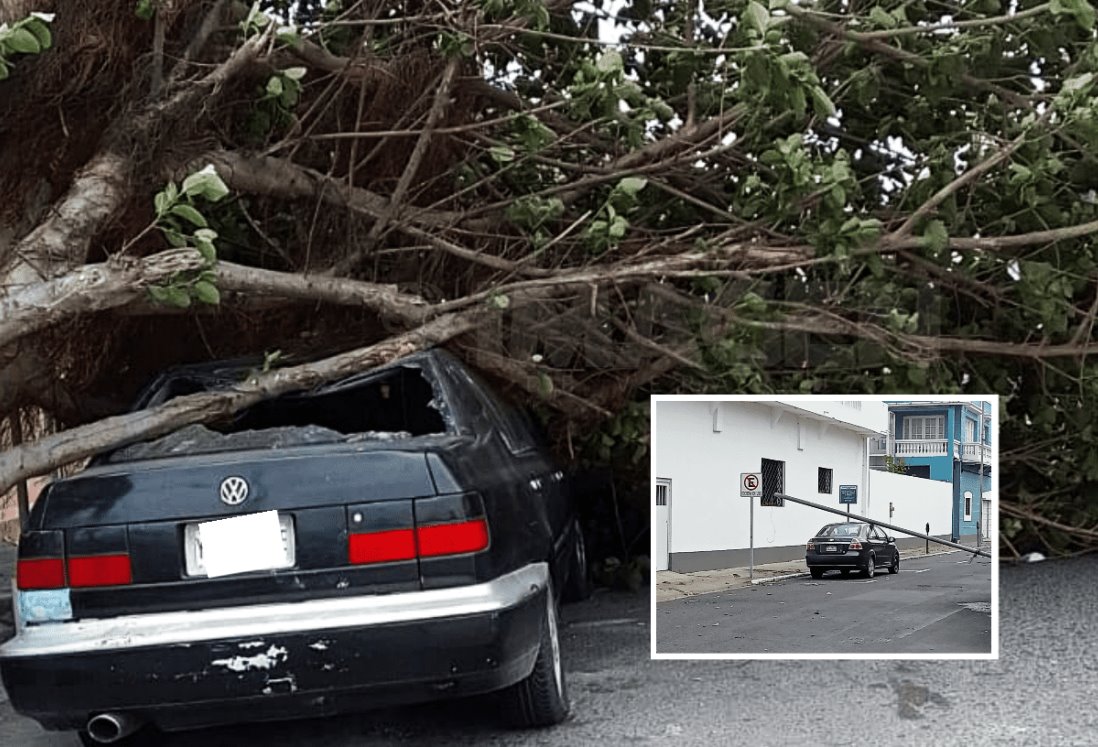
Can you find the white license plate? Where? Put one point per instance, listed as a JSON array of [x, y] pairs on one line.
[[192, 544], [831, 548]]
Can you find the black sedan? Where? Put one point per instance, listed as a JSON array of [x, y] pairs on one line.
[[399, 536], [851, 546]]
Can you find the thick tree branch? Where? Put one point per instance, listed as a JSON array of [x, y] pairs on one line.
[[121, 282], [44, 454]]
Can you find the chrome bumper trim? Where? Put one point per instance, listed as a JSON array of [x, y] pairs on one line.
[[184, 628]]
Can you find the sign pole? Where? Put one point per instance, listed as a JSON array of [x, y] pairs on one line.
[[751, 488]]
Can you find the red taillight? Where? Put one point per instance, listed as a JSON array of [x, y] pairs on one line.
[[855, 545], [100, 570], [425, 542], [810, 546], [452, 539], [382, 547], [40, 573]]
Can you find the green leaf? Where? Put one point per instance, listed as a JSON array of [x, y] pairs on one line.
[[609, 62], [882, 18], [41, 32], [144, 10], [5, 71], [162, 202], [289, 36], [618, 227], [501, 153], [176, 296], [294, 73], [1077, 83], [188, 213], [631, 185], [174, 237], [545, 384], [205, 183], [21, 40], [207, 250], [274, 86], [499, 301], [821, 103], [207, 292], [756, 17], [935, 237]]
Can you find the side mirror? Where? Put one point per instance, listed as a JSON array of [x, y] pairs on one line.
[[890, 540]]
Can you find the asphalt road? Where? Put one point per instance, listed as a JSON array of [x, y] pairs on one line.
[[1041, 691], [935, 605]]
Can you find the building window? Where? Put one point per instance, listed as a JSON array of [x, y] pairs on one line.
[[824, 480], [968, 505], [773, 474], [661, 493], [917, 428], [855, 405], [970, 431]]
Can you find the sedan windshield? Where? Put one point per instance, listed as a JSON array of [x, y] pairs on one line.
[[840, 530]]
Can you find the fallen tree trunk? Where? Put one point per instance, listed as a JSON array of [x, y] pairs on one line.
[[39, 457]]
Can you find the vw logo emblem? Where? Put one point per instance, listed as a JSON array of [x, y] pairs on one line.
[[233, 490]]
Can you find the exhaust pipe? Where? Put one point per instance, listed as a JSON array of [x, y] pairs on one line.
[[110, 727]]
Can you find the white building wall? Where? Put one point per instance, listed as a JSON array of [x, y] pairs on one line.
[[707, 512], [916, 502], [862, 413]]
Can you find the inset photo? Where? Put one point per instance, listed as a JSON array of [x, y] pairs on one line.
[[807, 527]]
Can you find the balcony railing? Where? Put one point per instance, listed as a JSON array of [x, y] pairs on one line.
[[976, 452], [922, 448]]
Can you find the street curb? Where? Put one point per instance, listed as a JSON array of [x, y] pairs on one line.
[[779, 578]]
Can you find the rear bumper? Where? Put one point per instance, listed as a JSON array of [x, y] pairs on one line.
[[848, 559], [186, 669]]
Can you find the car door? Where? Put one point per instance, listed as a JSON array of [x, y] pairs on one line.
[[879, 546]]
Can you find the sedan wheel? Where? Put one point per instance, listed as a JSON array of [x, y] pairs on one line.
[[816, 572], [542, 699], [870, 569], [895, 567]]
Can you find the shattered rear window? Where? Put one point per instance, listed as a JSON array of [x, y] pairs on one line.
[[395, 403]]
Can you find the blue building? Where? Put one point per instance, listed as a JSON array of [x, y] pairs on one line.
[[945, 441]]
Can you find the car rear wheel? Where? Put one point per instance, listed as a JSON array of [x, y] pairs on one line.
[[542, 698], [578, 587], [895, 567], [816, 572], [870, 568]]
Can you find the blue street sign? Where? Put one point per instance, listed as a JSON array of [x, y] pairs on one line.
[[848, 494]]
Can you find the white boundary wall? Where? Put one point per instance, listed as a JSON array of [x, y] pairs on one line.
[[916, 502]]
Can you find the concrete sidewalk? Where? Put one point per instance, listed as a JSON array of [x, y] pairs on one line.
[[671, 585]]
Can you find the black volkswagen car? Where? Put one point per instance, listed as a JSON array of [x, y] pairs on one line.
[[399, 536], [851, 546]]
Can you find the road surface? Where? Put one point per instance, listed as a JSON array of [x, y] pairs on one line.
[[1041, 691], [935, 605]]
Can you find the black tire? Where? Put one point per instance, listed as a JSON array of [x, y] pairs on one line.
[[578, 586], [542, 698], [895, 567], [816, 572], [845, 572], [870, 569]]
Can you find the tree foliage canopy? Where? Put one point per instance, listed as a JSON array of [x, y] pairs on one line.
[[595, 199]]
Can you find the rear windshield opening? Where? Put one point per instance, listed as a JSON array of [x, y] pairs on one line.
[[399, 402], [396, 404]]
